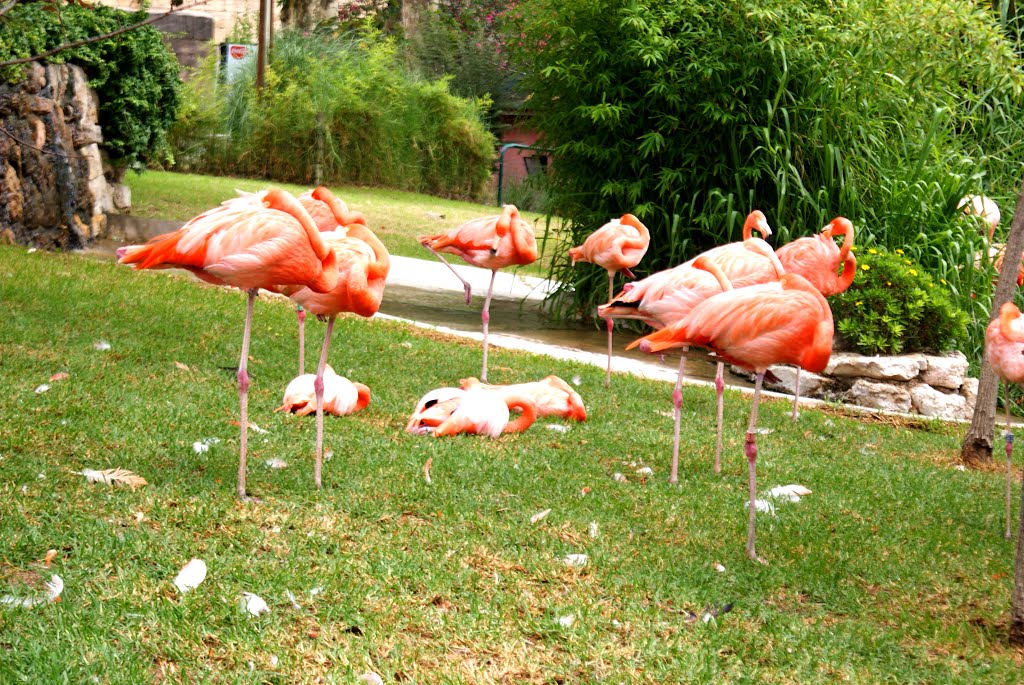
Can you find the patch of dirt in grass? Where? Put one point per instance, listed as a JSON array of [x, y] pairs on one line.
[[909, 422]]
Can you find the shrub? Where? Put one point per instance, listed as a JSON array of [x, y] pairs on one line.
[[691, 113], [134, 74], [342, 104], [894, 307]]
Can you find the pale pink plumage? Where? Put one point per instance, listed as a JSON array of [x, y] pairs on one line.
[[552, 396], [1004, 350], [341, 396], [449, 411]]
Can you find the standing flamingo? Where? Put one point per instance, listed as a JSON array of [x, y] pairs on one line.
[[329, 213], [491, 242], [449, 411], [828, 267], [1004, 350], [250, 242], [619, 245], [784, 322], [363, 264]]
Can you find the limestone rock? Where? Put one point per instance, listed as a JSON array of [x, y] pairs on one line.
[[875, 395], [970, 392], [928, 401], [946, 371], [121, 195], [811, 384], [902, 368]]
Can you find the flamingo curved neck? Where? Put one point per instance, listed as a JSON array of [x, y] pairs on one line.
[[284, 202], [527, 416]]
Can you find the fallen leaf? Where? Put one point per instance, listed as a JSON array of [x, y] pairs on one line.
[[190, 576], [113, 477], [59, 376], [183, 367], [426, 470], [540, 516]]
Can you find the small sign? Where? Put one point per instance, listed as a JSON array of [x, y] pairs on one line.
[[234, 60]]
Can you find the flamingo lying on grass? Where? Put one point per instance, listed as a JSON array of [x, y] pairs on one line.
[[449, 411], [491, 242], [255, 241], [341, 396], [551, 396], [619, 245]]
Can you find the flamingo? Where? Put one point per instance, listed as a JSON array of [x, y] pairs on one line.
[[449, 411], [783, 322], [329, 213], [828, 267], [1004, 350], [982, 207], [661, 300], [491, 242], [341, 396], [249, 242], [363, 264], [619, 245], [552, 396]]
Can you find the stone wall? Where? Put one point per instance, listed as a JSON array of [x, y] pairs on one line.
[[934, 386], [55, 184]]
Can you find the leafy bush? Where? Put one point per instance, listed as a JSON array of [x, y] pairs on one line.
[[894, 307], [134, 74], [343, 105], [691, 113]]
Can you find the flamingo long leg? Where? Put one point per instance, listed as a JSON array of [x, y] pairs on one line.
[[677, 404], [1009, 461], [750, 447], [719, 412], [611, 324], [485, 317], [300, 313], [318, 389], [465, 283], [243, 393], [796, 395]]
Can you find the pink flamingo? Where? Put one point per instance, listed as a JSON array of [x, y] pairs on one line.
[[341, 396], [250, 242], [449, 411], [619, 245], [363, 264], [491, 242], [828, 267], [982, 207], [1004, 350], [330, 214], [552, 396], [784, 322]]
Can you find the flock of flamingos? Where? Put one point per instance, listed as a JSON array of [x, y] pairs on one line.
[[748, 304]]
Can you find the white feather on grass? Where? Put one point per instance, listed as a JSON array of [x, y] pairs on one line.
[[190, 576], [116, 476]]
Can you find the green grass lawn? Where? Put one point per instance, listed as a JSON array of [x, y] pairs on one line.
[[396, 216], [893, 570]]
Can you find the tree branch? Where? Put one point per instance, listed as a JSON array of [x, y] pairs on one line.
[[96, 39]]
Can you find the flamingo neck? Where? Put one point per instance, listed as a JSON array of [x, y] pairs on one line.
[[528, 413], [285, 202]]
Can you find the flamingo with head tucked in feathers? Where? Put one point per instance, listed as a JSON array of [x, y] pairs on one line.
[[341, 396], [551, 396], [784, 322], [491, 242], [250, 242], [363, 264], [617, 246], [449, 411]]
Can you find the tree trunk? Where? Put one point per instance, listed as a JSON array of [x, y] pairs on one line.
[[413, 12], [1017, 607], [977, 447]]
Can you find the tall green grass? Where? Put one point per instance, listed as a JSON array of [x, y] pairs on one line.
[[336, 109]]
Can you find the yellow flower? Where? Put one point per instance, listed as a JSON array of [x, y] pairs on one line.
[[912, 272], [865, 267], [888, 282], [943, 281], [857, 303], [899, 251], [907, 262], [872, 251]]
